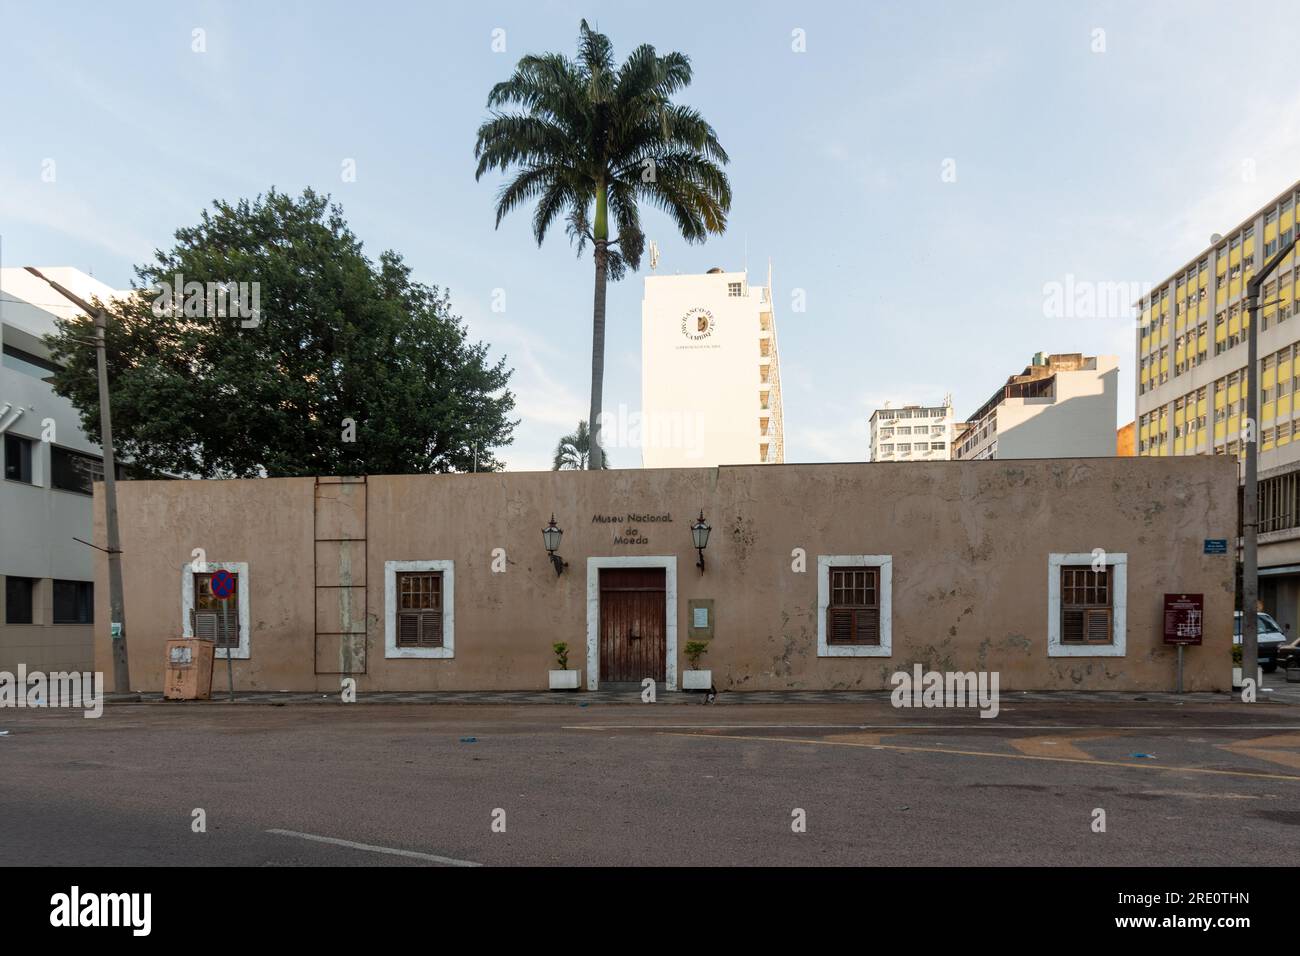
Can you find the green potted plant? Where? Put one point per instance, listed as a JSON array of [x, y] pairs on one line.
[[564, 678], [695, 678]]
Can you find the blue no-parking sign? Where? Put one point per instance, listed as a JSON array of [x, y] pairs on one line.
[[223, 585]]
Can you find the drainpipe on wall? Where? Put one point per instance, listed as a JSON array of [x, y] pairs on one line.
[[6, 425]]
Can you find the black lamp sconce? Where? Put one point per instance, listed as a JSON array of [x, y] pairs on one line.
[[551, 536], [700, 536]]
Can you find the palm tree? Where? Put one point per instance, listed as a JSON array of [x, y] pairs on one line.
[[589, 133], [574, 451]]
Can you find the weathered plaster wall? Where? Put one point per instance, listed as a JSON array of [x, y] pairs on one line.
[[969, 541]]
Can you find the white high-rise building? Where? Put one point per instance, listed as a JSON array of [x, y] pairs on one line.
[[710, 376], [912, 432], [46, 618], [1061, 406]]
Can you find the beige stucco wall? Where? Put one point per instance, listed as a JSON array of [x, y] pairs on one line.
[[53, 647], [44, 645], [969, 543]]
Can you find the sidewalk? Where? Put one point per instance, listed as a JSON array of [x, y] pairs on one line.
[[1277, 691]]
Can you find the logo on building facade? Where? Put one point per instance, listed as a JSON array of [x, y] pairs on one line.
[[697, 324]]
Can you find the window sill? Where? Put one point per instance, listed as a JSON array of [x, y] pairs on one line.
[[855, 650], [420, 653], [1085, 650]]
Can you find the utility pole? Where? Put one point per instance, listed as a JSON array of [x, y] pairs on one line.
[[121, 669], [1250, 485]]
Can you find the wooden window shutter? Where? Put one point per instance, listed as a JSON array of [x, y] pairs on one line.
[[839, 628], [867, 625], [1072, 625], [228, 632], [853, 614], [1086, 610], [204, 624], [408, 629], [1096, 625], [431, 629], [419, 611]]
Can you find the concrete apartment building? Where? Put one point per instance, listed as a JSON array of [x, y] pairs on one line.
[[710, 373], [1191, 400], [1060, 406], [957, 566], [912, 432], [50, 465]]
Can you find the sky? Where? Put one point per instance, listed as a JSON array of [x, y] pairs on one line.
[[919, 174]]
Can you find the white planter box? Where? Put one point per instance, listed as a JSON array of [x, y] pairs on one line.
[[566, 680], [697, 680], [1236, 678]]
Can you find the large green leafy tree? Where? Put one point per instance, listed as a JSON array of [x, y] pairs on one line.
[[350, 367], [591, 140]]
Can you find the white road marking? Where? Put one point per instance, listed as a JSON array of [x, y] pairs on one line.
[[391, 851]]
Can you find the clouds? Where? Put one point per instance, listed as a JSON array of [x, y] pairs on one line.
[[68, 212], [1111, 167], [547, 382]]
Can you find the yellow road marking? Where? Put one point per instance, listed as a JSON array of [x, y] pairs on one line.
[[983, 753], [1261, 748], [862, 739], [1056, 745]]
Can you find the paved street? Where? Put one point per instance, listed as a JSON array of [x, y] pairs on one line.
[[1201, 781]]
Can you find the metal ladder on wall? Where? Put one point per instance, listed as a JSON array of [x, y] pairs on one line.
[[339, 569]]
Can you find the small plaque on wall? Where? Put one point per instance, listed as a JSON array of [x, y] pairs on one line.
[[700, 622]]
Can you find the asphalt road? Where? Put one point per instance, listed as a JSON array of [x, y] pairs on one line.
[[652, 784]]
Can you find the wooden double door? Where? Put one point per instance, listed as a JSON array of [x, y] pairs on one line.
[[633, 624]]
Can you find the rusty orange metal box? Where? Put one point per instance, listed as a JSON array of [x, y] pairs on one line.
[[189, 669]]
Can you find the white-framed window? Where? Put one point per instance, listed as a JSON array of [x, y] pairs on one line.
[[202, 613], [734, 289], [419, 609], [855, 605], [1087, 604]]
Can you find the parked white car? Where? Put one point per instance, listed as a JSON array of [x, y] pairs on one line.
[[1269, 639]]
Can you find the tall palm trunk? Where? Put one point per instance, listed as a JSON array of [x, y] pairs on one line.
[[600, 235], [596, 454]]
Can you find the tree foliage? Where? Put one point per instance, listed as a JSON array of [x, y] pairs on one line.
[[573, 453], [342, 348], [590, 140]]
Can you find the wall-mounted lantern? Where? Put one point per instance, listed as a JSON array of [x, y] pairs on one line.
[[700, 536], [551, 536]]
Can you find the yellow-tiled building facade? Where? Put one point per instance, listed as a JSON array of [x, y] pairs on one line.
[[1192, 378]]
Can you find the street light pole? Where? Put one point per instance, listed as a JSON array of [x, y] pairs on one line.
[[1250, 485], [121, 668]]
